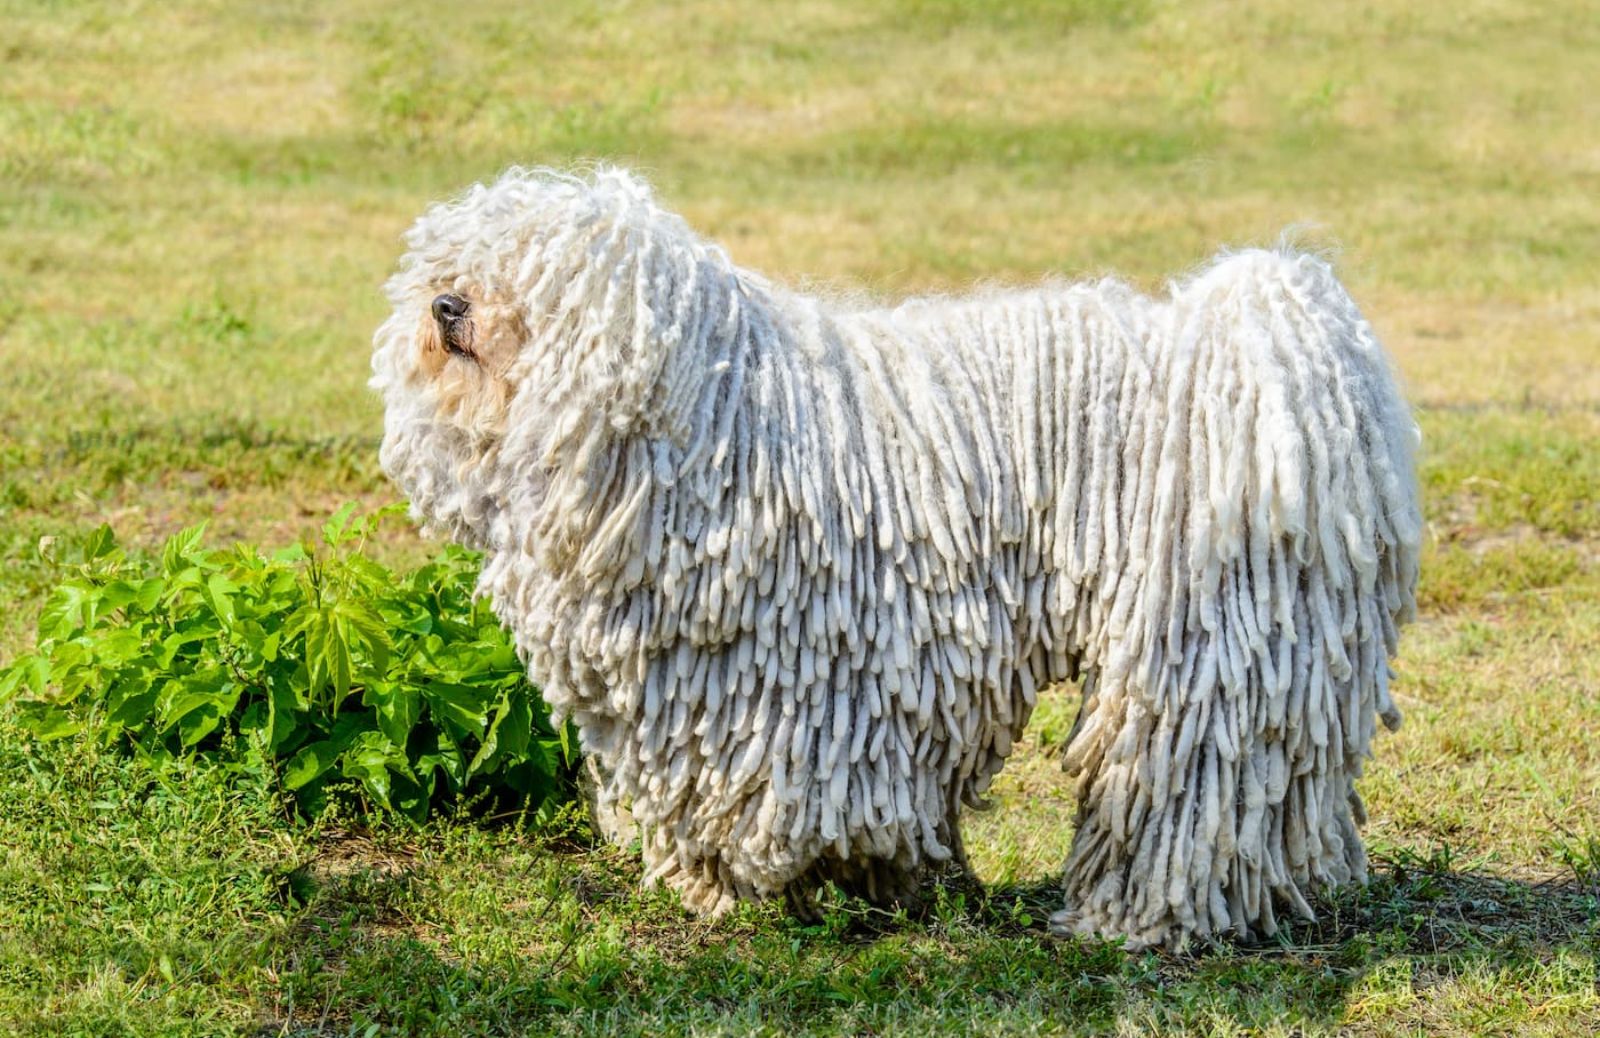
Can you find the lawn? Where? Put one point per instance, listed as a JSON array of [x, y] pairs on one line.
[[199, 201]]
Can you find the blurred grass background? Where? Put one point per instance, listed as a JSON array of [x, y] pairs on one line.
[[199, 201]]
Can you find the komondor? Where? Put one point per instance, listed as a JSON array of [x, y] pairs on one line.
[[797, 568]]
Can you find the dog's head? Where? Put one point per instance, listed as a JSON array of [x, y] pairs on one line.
[[537, 322]]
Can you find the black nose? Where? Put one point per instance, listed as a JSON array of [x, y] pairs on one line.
[[448, 308]]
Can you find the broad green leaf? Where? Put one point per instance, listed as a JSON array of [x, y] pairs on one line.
[[316, 651], [370, 626], [336, 658], [370, 573], [397, 707], [300, 621], [502, 658], [179, 581], [411, 795], [447, 758], [99, 544], [181, 547], [219, 592], [414, 619], [74, 669], [336, 530], [370, 757], [63, 612], [462, 706], [373, 776], [543, 754], [283, 710], [149, 594], [201, 691], [293, 553], [256, 718], [175, 642], [368, 642], [203, 720], [529, 779], [120, 646], [508, 735], [48, 722], [133, 710], [129, 701], [117, 594], [318, 757], [31, 672]]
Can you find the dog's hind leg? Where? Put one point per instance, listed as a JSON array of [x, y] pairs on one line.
[[1227, 723]]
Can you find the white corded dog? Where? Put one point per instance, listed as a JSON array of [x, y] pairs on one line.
[[797, 569]]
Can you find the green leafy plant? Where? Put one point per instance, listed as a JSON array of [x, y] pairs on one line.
[[322, 665]]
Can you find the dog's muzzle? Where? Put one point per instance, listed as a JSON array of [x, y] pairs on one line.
[[452, 314]]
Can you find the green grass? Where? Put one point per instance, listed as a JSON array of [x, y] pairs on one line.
[[198, 203]]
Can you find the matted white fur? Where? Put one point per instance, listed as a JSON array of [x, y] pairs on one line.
[[797, 569]]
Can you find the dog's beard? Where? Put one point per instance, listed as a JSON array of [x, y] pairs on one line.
[[457, 337], [448, 480]]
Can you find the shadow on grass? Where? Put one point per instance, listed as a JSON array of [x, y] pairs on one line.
[[571, 947]]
